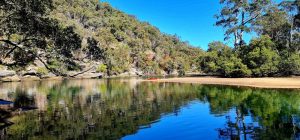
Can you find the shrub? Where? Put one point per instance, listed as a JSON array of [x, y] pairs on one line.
[[57, 65], [71, 65], [181, 70], [102, 68], [233, 67], [262, 57], [290, 64], [42, 71]]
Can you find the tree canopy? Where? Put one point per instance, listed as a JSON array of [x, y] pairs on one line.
[[275, 52], [70, 32]]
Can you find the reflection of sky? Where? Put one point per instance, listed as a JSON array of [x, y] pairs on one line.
[[193, 122], [91, 99]]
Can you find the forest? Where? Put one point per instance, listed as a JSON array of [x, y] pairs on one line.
[[275, 50], [80, 35], [73, 35]]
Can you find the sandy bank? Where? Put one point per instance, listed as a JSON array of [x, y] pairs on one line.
[[293, 82]]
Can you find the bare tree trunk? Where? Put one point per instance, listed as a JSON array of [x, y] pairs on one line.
[[291, 36], [242, 30], [236, 41]]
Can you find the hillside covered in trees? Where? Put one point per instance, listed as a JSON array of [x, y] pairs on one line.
[[70, 37], [88, 38]]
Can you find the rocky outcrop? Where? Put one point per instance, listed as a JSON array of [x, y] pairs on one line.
[[30, 70], [175, 72], [49, 75], [2, 67], [30, 78], [9, 76], [54, 78], [126, 74], [89, 75], [7, 73], [14, 78], [36, 72], [135, 72]]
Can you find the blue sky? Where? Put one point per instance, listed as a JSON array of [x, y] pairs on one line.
[[192, 20]]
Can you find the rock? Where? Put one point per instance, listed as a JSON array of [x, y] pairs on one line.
[[38, 63], [30, 70], [71, 73], [89, 76], [126, 74], [163, 73], [49, 75], [8, 61], [7, 73], [2, 67], [30, 78], [135, 72], [54, 78], [175, 72], [14, 78]]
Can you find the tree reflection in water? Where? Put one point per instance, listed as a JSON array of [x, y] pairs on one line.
[[112, 109]]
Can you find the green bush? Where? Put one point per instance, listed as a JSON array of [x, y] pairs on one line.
[[42, 71], [262, 57], [233, 67], [102, 68], [290, 64], [57, 65]]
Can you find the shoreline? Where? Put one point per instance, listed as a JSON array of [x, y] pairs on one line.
[[270, 83], [267, 82]]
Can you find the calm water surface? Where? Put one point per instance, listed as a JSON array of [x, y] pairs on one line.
[[130, 110]]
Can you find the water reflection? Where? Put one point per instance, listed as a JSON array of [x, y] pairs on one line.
[[113, 109]]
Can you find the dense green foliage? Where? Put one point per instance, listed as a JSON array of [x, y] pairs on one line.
[[274, 52], [82, 30], [220, 59], [73, 35]]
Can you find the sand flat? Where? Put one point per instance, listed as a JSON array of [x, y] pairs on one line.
[[288, 83]]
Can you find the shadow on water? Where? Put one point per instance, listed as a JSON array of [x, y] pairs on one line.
[[112, 109]]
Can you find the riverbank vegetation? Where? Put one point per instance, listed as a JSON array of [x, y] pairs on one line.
[[275, 50], [79, 34], [91, 36]]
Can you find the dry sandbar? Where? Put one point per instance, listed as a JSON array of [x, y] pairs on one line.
[[286, 82]]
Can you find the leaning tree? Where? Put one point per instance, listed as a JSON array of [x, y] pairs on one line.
[[237, 16]]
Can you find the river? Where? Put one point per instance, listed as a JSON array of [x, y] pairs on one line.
[[132, 110]]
